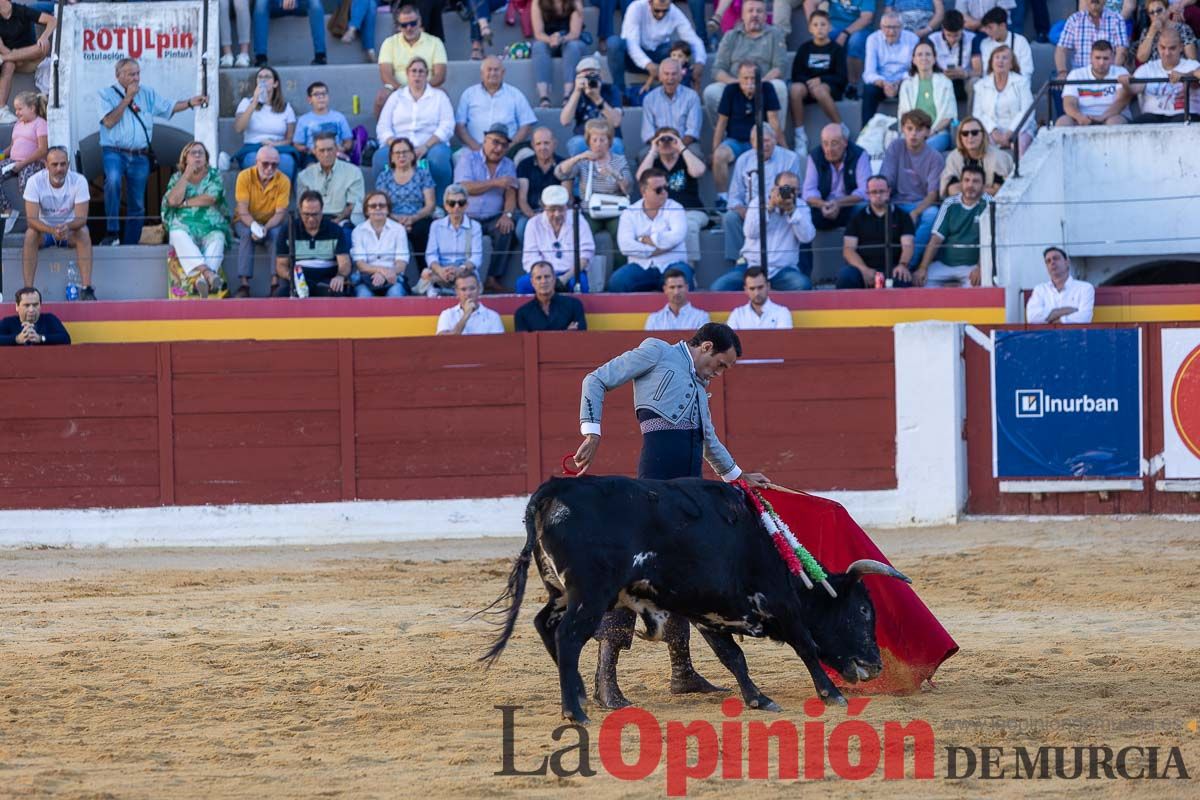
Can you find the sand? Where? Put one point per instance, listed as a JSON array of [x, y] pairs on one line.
[[349, 671]]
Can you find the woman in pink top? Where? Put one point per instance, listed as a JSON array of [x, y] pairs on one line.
[[27, 152]]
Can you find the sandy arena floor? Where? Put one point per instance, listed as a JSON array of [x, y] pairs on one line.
[[349, 671]]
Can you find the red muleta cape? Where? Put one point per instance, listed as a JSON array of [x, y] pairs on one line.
[[912, 642]]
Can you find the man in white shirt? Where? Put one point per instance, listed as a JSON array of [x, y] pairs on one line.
[[953, 45], [760, 313], [492, 102], [996, 33], [744, 184], [652, 234], [56, 209], [1095, 104], [678, 314], [1062, 298], [647, 30], [1163, 102], [789, 229], [468, 316]]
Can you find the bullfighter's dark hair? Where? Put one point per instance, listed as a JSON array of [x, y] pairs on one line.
[[721, 335]]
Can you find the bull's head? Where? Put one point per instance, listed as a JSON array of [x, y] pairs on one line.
[[844, 627]]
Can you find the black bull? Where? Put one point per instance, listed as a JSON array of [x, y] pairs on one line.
[[689, 547]]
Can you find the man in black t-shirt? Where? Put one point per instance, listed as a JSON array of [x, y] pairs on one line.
[[534, 174], [818, 76], [548, 310], [735, 118], [24, 50], [879, 239]]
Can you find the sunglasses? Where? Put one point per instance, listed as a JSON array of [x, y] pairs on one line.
[[372, 206], [658, 189], [455, 203], [972, 132], [412, 24], [271, 164]]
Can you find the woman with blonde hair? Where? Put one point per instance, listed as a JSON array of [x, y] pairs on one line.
[[197, 222], [1001, 99], [598, 171], [30, 143], [973, 148]]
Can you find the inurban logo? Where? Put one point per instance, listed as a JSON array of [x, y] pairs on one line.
[[1035, 403]]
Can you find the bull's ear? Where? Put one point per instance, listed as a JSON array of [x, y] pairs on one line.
[[869, 566]]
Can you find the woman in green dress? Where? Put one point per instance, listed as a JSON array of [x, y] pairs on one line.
[[197, 221]]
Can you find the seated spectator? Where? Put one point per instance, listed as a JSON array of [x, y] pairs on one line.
[[681, 54], [678, 314], [835, 179], [974, 148], [322, 251], [321, 119], [23, 48], [30, 142], [953, 46], [889, 55], [481, 25], [362, 20], [672, 105], [751, 40], [818, 76], [1074, 46], [423, 115], [267, 118], [879, 238], [489, 103], [790, 231], [196, 217], [468, 316], [1163, 102], [266, 10], [648, 29], [490, 178], [1001, 100], [928, 90], [735, 121], [915, 169], [56, 208], [995, 34], [410, 41], [1062, 298], [125, 139], [921, 17], [590, 99], [851, 25], [261, 194], [455, 246], [760, 313], [683, 170], [972, 12], [339, 183], [550, 239], [242, 8], [410, 191], [379, 250], [744, 184], [30, 325], [1097, 104], [548, 310], [652, 236], [952, 257], [1158, 13], [534, 175], [598, 170], [557, 32]]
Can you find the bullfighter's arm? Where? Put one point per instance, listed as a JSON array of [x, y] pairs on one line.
[[609, 376]]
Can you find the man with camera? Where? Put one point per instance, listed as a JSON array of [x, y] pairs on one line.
[[590, 99], [789, 227]]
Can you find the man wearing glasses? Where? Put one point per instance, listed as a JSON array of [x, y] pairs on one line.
[[262, 193], [321, 250], [397, 50], [889, 55], [652, 234]]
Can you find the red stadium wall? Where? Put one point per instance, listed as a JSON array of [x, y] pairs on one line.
[[186, 423]]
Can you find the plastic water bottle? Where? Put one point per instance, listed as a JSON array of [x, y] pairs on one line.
[[73, 281], [301, 284]]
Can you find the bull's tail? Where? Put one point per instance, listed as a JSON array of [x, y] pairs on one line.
[[514, 592]]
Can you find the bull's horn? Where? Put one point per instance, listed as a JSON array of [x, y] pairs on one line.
[[869, 566]]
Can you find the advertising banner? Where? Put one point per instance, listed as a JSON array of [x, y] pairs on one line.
[[1181, 402], [167, 39], [1067, 403]]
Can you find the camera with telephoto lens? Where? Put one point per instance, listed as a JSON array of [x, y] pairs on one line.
[[786, 192], [593, 82]]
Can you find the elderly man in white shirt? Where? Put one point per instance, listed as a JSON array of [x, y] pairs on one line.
[[889, 55], [468, 316], [760, 314], [648, 28], [422, 114], [1062, 298], [550, 237], [652, 234], [678, 314], [789, 228]]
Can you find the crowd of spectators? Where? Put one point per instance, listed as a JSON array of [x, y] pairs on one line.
[[460, 188]]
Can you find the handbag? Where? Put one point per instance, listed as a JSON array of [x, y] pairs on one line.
[[599, 205]]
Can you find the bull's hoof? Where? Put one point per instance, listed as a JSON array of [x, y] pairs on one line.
[[693, 683], [835, 698], [575, 717], [764, 703], [610, 698]]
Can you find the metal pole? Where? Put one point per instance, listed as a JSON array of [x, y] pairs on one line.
[[759, 113], [204, 50], [992, 244], [291, 223], [887, 242], [575, 245], [57, 50]]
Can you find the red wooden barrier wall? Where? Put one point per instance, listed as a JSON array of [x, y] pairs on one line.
[[130, 425]]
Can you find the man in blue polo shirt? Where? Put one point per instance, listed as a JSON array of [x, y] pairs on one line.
[[126, 133]]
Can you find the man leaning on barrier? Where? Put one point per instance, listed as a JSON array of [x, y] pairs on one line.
[[1098, 103], [1168, 101]]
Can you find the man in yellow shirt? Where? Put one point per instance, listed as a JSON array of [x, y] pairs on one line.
[[400, 48], [262, 194]]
